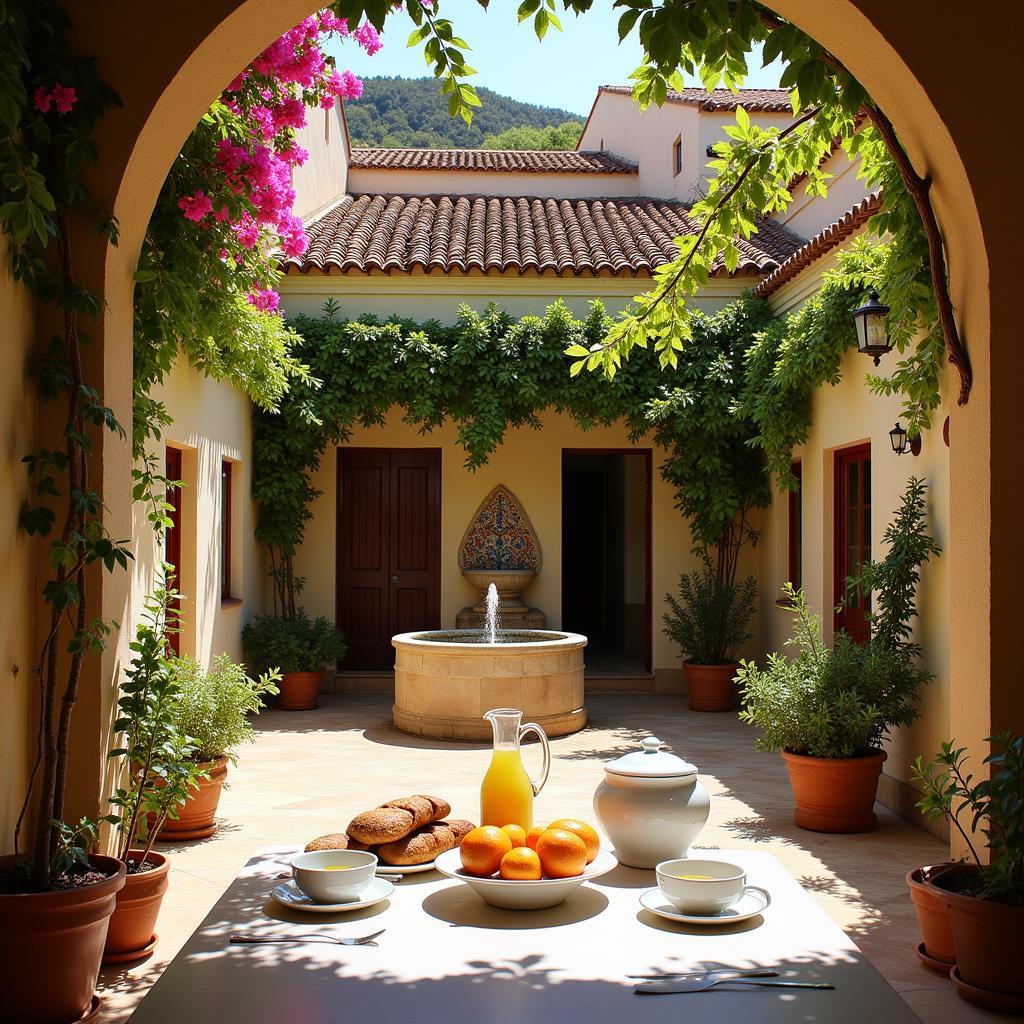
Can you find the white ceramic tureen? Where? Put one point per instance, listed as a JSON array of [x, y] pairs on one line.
[[651, 805]]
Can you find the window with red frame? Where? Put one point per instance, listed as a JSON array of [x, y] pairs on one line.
[[852, 538], [172, 540], [226, 471], [796, 528]]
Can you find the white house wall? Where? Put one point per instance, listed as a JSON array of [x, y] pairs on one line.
[[422, 296]]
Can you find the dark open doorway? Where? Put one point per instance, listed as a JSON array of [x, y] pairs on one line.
[[606, 557]]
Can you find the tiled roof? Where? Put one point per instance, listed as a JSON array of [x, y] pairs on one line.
[[765, 100], [822, 243], [529, 161], [563, 236]]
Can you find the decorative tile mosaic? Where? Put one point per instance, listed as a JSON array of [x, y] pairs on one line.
[[500, 536]]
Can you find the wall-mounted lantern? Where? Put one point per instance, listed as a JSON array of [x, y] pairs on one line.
[[902, 442], [872, 322]]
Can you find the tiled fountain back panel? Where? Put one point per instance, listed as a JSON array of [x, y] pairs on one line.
[[500, 536]]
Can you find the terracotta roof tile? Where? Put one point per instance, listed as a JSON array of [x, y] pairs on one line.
[[366, 233], [764, 100], [529, 161], [822, 243]]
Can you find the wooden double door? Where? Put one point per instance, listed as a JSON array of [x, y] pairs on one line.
[[389, 540]]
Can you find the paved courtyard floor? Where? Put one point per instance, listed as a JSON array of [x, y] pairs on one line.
[[309, 772]]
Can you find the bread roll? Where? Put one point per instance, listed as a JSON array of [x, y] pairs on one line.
[[420, 807], [396, 819], [425, 843], [382, 825], [335, 841]]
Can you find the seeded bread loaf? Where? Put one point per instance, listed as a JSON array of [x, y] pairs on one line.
[[426, 843], [396, 819], [335, 841]]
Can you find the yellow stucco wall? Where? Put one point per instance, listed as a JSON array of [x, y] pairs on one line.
[[212, 421], [17, 427], [842, 416], [529, 463]]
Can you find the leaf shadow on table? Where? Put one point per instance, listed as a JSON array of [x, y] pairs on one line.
[[461, 907]]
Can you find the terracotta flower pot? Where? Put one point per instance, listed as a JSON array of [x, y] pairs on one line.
[[834, 794], [196, 817], [300, 691], [987, 939], [131, 935], [51, 944], [932, 919], [710, 687]]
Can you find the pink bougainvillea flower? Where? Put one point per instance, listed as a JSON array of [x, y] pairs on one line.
[[368, 38], [64, 98], [195, 207], [43, 99], [237, 82], [265, 299], [330, 22], [247, 231]]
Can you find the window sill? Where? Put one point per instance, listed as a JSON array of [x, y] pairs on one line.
[[783, 602], [231, 602]]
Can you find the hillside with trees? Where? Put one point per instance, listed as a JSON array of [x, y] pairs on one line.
[[400, 112]]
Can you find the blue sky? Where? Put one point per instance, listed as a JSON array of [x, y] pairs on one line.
[[562, 71]]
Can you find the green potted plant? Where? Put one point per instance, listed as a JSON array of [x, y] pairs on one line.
[[709, 622], [157, 770], [298, 647], [985, 901], [939, 781], [829, 710], [211, 708]]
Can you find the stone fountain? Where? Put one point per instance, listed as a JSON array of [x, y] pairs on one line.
[[445, 680]]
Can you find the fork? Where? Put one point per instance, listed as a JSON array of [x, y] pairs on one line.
[[663, 988], [238, 939], [735, 972]]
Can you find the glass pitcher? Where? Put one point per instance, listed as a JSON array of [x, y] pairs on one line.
[[507, 792]]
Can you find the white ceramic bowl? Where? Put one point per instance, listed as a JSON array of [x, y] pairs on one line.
[[709, 885], [522, 895], [334, 876]]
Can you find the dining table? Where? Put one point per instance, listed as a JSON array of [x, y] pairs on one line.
[[446, 957]]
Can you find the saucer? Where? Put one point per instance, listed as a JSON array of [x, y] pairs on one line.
[[290, 895], [753, 901], [383, 870]]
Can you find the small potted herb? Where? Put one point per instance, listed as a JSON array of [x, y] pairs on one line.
[[158, 771], [985, 901], [709, 622], [298, 647], [211, 708]]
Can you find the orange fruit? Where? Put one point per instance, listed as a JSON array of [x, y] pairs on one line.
[[522, 864], [584, 831], [562, 854], [534, 834], [482, 850], [516, 833]]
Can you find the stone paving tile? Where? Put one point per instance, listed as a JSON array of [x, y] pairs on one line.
[[309, 772]]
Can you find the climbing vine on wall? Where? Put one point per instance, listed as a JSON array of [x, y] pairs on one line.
[[728, 416]]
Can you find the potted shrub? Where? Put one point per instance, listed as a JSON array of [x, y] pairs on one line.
[[985, 901], [828, 711], [938, 780], [157, 770], [211, 709], [709, 622], [298, 647]]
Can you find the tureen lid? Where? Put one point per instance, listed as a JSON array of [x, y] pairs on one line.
[[651, 762]]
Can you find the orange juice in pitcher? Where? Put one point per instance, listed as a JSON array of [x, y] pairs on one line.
[[507, 792]]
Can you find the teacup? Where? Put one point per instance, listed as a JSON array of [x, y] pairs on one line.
[[700, 886], [334, 876]]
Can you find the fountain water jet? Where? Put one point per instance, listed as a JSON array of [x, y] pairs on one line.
[[491, 603]]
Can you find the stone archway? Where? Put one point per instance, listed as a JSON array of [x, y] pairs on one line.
[[170, 63]]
